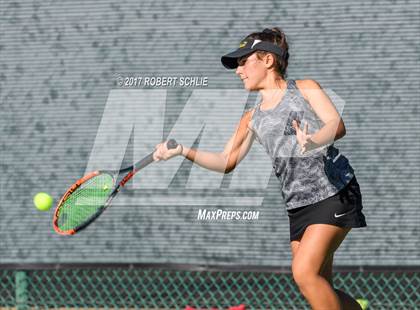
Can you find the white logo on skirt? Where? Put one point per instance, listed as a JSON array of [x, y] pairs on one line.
[[340, 215]]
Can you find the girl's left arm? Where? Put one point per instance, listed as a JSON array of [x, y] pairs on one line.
[[321, 104]]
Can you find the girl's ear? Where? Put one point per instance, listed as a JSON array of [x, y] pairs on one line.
[[268, 60]]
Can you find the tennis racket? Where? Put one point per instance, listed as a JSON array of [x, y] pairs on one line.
[[86, 199]]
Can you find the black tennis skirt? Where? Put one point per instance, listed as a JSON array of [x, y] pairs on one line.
[[343, 209]]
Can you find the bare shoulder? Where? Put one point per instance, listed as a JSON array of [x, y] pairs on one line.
[[249, 112], [306, 85]]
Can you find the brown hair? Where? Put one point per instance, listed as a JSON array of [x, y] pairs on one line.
[[278, 37]]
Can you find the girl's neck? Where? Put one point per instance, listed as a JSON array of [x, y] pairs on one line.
[[273, 92]]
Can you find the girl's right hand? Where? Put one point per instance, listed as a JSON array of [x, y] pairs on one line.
[[163, 153]]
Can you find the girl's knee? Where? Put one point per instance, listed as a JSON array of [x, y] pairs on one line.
[[303, 275]]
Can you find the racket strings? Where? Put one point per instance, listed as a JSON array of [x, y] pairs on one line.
[[85, 201]]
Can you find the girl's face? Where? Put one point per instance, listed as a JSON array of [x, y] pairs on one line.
[[251, 71]]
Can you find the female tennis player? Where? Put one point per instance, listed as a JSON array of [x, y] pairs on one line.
[[297, 125]]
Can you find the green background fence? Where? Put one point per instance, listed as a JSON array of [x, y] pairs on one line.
[[152, 288]]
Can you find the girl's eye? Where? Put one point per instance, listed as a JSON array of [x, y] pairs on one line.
[[242, 61]]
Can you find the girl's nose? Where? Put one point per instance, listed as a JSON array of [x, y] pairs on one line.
[[238, 70]]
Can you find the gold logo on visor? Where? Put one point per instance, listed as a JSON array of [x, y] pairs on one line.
[[242, 44]]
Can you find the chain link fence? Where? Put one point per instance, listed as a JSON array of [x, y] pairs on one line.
[[151, 288]]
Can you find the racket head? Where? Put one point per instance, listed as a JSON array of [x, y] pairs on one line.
[[83, 202]]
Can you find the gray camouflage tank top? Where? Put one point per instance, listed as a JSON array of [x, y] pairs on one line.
[[308, 178]]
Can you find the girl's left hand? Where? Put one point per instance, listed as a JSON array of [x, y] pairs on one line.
[[303, 138]]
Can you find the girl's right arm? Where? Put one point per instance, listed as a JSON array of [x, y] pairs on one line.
[[234, 151]]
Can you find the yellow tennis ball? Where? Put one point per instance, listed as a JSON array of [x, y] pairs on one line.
[[43, 201], [105, 188], [364, 303]]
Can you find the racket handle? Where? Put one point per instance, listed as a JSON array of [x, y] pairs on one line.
[[171, 144]]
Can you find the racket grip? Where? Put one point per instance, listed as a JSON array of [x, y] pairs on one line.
[[172, 144]]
